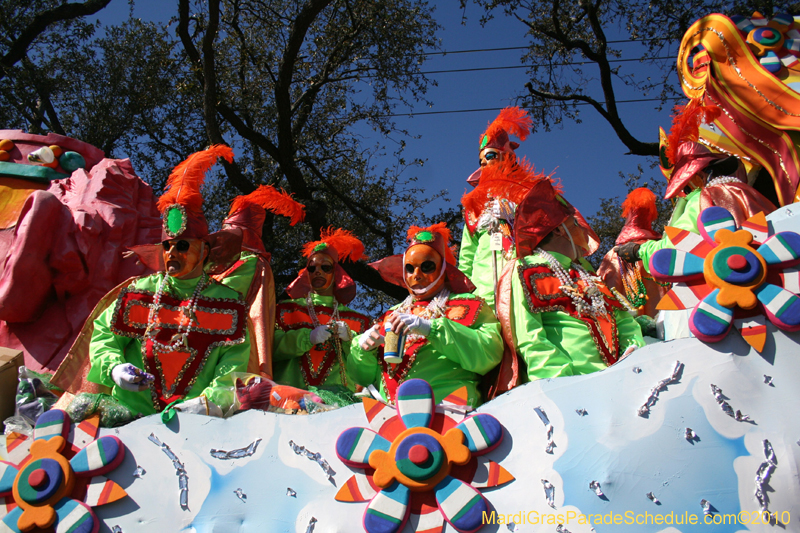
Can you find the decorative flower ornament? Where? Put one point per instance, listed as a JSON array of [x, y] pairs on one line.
[[726, 279], [420, 462], [775, 41], [57, 479]]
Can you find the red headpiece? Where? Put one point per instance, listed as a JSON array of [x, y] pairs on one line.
[[639, 212], [540, 212], [437, 237], [339, 245], [513, 120], [248, 213]]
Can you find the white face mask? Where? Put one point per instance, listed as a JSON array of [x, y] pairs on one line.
[[571, 241], [428, 287]]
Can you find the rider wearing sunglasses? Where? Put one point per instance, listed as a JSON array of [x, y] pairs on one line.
[[315, 328], [452, 338]]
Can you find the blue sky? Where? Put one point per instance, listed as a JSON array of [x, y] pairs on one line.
[[587, 157]]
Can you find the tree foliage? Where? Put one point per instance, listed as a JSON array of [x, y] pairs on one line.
[[292, 86]]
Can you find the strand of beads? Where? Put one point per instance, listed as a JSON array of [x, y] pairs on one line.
[[334, 324], [188, 312], [571, 289], [721, 180]]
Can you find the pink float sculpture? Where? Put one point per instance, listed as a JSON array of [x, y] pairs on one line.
[[66, 216]]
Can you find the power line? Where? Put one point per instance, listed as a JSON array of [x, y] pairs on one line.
[[457, 111], [565, 64], [507, 48]]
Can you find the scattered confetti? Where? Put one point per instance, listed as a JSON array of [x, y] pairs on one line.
[[311, 525], [549, 493], [706, 505], [595, 486], [763, 474], [241, 495], [546, 421], [561, 529], [644, 410], [316, 457], [139, 472], [542, 415], [180, 471], [290, 492], [116, 529], [237, 453], [652, 497], [768, 380], [512, 526], [582, 411], [726, 407], [636, 370], [690, 434]]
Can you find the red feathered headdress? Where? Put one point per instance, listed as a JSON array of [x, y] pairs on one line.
[[181, 206], [686, 125], [436, 236], [639, 211], [339, 245], [513, 120], [510, 179], [248, 213]]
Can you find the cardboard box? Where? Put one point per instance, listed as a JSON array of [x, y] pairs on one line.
[[10, 361]]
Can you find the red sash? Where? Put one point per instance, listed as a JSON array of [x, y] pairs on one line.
[[463, 310], [316, 364], [220, 322], [543, 294]]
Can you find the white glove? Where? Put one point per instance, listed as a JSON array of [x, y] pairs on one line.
[[320, 334], [415, 324], [371, 339], [503, 210], [130, 377], [343, 331]]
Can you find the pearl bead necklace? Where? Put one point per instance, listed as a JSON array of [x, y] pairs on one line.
[[722, 180], [180, 339], [570, 288]]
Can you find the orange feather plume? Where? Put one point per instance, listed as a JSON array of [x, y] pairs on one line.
[[642, 202], [346, 244], [273, 200], [437, 229], [508, 179], [513, 120], [686, 124], [186, 179]]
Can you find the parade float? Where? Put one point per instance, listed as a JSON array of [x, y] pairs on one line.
[[685, 435]]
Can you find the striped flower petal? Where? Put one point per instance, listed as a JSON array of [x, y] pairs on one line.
[[75, 517], [9, 522], [688, 242], [18, 447], [428, 520], [710, 321], [783, 247], [387, 512], [100, 490], [675, 265], [52, 423], [489, 474], [758, 227], [790, 279], [99, 457], [355, 445], [771, 62], [461, 505], [415, 403], [483, 432], [781, 306], [8, 473], [357, 489], [81, 434], [753, 330], [378, 413], [713, 219]]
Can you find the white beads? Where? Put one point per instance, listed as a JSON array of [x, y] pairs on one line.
[[179, 340], [571, 289], [722, 180]]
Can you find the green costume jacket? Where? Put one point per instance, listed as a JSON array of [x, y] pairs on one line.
[[456, 353], [218, 344], [684, 216], [475, 260], [548, 333], [296, 361]]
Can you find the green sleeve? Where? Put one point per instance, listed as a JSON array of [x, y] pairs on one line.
[[628, 331], [542, 358], [466, 256], [106, 349], [362, 366], [290, 344], [232, 359], [685, 217], [478, 349]]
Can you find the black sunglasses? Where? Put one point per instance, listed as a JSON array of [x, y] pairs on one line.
[[325, 268], [427, 267], [490, 155], [181, 245]]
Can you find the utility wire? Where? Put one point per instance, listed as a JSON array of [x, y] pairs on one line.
[[455, 111], [565, 64], [507, 48]]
